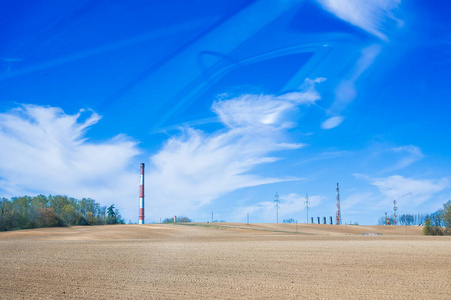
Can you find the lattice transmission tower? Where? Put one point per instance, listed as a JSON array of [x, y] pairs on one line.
[[338, 218], [276, 205]]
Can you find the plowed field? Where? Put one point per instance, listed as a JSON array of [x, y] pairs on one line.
[[230, 261]]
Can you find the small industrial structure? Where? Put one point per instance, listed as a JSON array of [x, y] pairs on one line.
[[141, 196]]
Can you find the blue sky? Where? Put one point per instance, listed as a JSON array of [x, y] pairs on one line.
[[227, 103]]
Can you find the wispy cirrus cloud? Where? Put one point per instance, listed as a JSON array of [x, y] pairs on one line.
[[393, 157], [370, 15], [346, 91], [421, 189], [256, 110], [408, 155], [46, 151], [194, 168], [396, 186], [375, 17]]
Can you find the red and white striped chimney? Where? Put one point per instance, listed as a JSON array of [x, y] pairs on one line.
[[141, 195]]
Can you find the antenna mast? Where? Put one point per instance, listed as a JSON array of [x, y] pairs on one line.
[[306, 203], [276, 201], [395, 208]]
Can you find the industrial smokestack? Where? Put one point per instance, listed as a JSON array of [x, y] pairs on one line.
[[141, 195]]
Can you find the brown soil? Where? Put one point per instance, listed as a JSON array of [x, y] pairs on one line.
[[224, 261]]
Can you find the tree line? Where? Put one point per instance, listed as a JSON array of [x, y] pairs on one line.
[[440, 222], [405, 219], [437, 223], [181, 219], [52, 211]]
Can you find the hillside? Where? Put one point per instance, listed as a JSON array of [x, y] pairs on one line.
[[159, 231], [222, 261]]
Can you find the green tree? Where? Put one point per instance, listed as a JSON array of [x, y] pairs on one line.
[[446, 214], [41, 211], [68, 214], [90, 218], [181, 219], [48, 218], [112, 218], [57, 203], [6, 215]]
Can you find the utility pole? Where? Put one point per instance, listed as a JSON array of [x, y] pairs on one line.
[[276, 201], [307, 204]]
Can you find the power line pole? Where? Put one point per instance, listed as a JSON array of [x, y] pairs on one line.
[[276, 201], [307, 204]]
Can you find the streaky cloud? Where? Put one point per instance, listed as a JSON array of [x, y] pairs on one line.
[[421, 190], [410, 154], [194, 168], [47, 152], [257, 110], [369, 15]]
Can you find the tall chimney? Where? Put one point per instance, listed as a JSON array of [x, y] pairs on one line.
[[141, 195]]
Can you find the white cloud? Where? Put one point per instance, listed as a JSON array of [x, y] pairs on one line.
[[194, 168], [421, 190], [257, 110], [409, 155], [46, 151], [346, 90], [370, 15], [332, 122], [389, 158]]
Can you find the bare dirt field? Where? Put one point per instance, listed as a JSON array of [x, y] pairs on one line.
[[224, 261]]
